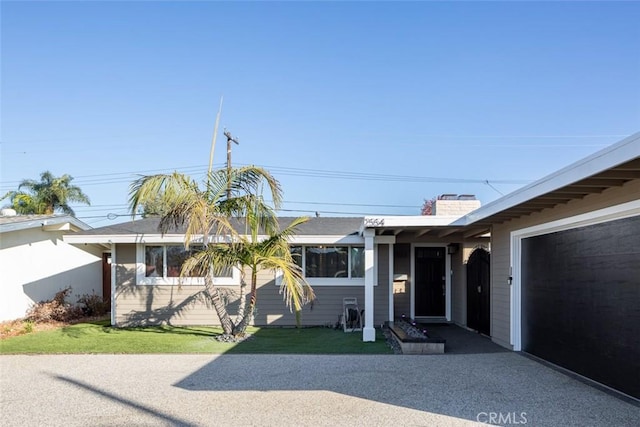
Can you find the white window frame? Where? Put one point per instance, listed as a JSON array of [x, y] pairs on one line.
[[621, 211], [141, 278]]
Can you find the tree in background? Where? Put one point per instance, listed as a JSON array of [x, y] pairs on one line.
[[49, 195], [428, 207], [208, 213]]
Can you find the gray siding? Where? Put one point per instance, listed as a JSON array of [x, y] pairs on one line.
[[501, 248], [402, 289], [381, 292], [500, 290], [185, 305], [459, 283]]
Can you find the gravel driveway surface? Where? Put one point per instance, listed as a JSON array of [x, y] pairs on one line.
[[276, 390]]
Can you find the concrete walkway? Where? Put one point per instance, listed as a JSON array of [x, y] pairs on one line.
[[276, 390], [462, 341]]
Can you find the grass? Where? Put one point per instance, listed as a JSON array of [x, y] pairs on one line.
[[99, 337]]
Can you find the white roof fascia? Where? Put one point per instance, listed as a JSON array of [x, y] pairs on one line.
[[614, 155], [45, 223], [179, 238], [136, 238], [123, 238], [408, 221]]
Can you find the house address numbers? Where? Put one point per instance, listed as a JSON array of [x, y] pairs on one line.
[[374, 222]]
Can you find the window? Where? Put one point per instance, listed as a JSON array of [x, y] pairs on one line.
[[154, 261], [166, 261], [162, 265], [330, 261], [357, 261]]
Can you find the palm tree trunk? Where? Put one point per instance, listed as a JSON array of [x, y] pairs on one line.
[[241, 326], [216, 300], [243, 300]]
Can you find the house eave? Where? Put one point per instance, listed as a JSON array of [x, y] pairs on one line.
[[179, 238], [46, 222], [611, 167]]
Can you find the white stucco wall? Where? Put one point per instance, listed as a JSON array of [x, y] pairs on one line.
[[35, 264]]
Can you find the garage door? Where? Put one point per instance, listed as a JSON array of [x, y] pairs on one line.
[[581, 301]]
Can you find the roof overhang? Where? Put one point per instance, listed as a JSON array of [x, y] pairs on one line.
[[179, 239], [419, 226], [47, 223], [611, 167]]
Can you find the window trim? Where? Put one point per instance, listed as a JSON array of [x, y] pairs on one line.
[[142, 280]]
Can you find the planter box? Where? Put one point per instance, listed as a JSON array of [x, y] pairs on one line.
[[416, 345]]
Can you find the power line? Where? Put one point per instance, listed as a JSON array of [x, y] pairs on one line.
[[47, 141], [123, 177]]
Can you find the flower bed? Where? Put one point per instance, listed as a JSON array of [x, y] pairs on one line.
[[413, 340]]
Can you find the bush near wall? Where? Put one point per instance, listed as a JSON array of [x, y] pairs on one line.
[[59, 309]]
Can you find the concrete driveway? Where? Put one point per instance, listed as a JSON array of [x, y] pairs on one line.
[[239, 390]]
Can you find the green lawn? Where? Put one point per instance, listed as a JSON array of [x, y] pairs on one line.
[[99, 337]]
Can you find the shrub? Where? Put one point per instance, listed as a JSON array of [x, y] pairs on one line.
[[94, 305], [57, 309]]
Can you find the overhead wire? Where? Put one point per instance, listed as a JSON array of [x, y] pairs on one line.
[[127, 177]]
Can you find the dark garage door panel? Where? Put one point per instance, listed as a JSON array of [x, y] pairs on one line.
[[581, 301]]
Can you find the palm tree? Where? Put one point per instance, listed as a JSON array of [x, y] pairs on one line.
[[46, 196], [209, 212]]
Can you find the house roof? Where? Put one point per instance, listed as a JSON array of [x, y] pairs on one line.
[[611, 167], [47, 222], [146, 229]]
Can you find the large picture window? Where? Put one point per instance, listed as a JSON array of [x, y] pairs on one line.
[[166, 261], [330, 261], [163, 264]]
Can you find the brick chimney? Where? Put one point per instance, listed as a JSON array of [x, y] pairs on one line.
[[455, 205]]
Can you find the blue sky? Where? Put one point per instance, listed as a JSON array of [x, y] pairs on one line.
[[356, 107]]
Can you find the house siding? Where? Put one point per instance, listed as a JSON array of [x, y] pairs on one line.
[[402, 289], [459, 283], [381, 291], [501, 248], [184, 305]]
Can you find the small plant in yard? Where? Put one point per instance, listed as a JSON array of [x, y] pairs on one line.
[[27, 326]]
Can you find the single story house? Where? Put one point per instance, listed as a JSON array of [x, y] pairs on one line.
[[36, 263], [335, 252], [552, 269]]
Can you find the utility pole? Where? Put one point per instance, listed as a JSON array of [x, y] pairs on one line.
[[229, 140]]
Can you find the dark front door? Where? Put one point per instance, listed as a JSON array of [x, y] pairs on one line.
[[478, 275], [430, 284], [106, 276]]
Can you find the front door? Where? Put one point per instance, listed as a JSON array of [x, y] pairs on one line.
[[430, 282], [478, 283]]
